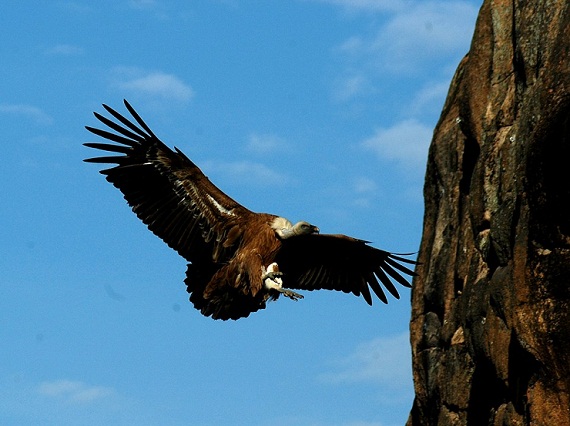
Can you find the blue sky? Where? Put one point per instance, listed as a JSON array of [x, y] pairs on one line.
[[320, 110]]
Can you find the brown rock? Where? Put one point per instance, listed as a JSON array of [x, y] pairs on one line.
[[490, 325]]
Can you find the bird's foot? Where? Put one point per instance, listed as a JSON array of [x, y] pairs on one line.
[[273, 281], [291, 294], [275, 286]]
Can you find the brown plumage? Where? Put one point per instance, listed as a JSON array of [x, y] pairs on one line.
[[238, 259]]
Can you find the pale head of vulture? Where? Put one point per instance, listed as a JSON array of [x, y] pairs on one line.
[[286, 229]]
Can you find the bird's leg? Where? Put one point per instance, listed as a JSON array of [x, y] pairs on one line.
[[272, 281]]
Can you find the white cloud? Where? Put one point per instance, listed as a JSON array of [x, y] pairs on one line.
[[403, 38], [73, 391], [353, 44], [349, 87], [246, 172], [413, 35], [265, 143], [75, 7], [430, 98], [368, 5], [64, 50], [384, 360], [29, 111], [406, 143], [156, 83], [156, 9], [365, 189], [364, 185], [424, 32], [142, 4], [298, 420]]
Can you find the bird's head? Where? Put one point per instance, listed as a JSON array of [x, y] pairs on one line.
[[285, 229], [304, 228]]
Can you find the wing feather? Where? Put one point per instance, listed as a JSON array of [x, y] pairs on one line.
[[365, 290], [105, 160], [379, 272], [338, 262], [112, 137], [137, 135], [108, 147], [391, 260], [135, 115], [375, 285], [387, 267], [166, 190]]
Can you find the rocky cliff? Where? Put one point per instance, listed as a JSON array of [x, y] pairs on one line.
[[490, 324]]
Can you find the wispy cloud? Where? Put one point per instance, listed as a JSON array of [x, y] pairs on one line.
[[364, 185], [142, 4], [406, 143], [411, 35], [429, 98], [369, 5], [435, 29], [263, 144], [64, 50], [364, 189], [153, 83], [28, 111], [351, 86], [300, 420], [384, 360], [400, 39], [157, 9], [76, 7], [246, 172], [73, 391]]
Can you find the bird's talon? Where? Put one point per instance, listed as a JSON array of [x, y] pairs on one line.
[[292, 295]]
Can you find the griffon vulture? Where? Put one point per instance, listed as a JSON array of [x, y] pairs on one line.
[[238, 259]]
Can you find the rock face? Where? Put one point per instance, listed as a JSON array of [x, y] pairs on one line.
[[490, 325]]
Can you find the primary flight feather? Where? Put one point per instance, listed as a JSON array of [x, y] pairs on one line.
[[238, 259]]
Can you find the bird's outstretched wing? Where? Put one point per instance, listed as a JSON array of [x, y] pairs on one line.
[[338, 262], [167, 191]]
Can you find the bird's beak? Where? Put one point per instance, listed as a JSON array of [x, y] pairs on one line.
[[316, 230]]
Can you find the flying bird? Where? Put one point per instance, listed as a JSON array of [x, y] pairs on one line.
[[238, 259]]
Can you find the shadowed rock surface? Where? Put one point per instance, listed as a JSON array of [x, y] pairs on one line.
[[490, 325]]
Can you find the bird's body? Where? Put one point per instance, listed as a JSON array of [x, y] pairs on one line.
[[238, 259]]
